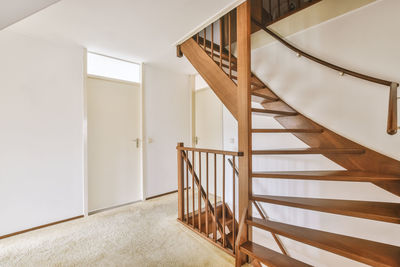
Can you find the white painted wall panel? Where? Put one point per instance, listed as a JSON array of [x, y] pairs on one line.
[[41, 118]]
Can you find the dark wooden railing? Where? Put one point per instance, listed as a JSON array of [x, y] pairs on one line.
[[392, 124], [211, 217]]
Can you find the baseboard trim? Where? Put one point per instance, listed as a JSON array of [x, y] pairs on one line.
[[161, 195], [40, 227], [113, 207]]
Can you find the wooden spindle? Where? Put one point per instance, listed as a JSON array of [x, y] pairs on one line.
[[230, 45], [215, 198], [181, 185], [270, 8], [220, 43], [298, 3], [187, 187], [207, 199], [223, 202], [197, 38], [279, 8], [199, 192], [234, 199], [288, 5], [193, 189], [212, 41], [205, 39]]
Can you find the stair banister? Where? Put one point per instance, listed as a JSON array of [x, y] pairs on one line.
[[392, 125]]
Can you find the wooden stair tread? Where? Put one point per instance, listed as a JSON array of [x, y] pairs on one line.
[[362, 250], [254, 81], [279, 104], [287, 130], [380, 211], [269, 257], [264, 93], [311, 150], [273, 112], [358, 176]]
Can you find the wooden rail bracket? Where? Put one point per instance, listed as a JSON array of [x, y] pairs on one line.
[[392, 117]]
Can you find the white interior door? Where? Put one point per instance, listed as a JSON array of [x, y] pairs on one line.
[[113, 143]]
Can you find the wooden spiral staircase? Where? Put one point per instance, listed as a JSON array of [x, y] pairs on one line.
[[233, 82]]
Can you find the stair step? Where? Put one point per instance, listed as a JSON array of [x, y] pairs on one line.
[[348, 176], [265, 93], [269, 257], [379, 211], [362, 250], [297, 151], [254, 81], [279, 105], [228, 240], [287, 130], [273, 112]]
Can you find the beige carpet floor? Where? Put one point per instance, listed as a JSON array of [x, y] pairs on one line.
[[141, 234]]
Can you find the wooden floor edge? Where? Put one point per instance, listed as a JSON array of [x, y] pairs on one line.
[[40, 227]]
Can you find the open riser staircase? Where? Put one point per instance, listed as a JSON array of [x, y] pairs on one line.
[[233, 82]]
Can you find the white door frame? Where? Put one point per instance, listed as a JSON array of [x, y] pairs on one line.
[[85, 131]]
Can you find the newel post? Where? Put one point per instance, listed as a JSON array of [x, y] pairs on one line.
[[244, 110], [181, 206]]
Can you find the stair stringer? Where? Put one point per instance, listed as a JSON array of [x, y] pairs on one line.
[[216, 78]]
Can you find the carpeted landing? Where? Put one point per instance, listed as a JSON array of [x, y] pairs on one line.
[[141, 234]]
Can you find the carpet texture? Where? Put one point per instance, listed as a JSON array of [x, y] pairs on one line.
[[141, 234]]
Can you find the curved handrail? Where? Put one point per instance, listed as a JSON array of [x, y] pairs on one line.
[[392, 117], [320, 61]]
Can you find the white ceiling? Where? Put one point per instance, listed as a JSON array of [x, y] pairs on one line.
[[136, 30], [12, 11]]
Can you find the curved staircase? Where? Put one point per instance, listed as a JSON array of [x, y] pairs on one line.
[[219, 68]]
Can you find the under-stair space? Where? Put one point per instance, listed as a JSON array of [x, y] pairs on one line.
[[267, 179]]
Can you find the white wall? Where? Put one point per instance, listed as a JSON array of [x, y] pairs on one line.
[[167, 121], [364, 41], [41, 116]]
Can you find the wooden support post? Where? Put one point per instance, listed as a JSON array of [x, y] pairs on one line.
[[181, 199], [179, 51], [244, 107], [256, 13]]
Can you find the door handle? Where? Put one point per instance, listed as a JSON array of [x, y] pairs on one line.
[[137, 141]]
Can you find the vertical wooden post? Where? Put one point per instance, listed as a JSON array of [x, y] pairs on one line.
[[256, 13], [392, 115], [181, 205], [221, 44], [244, 108]]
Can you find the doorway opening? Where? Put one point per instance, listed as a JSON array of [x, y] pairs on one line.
[[114, 133]]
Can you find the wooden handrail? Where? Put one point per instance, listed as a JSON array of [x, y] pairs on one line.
[[214, 151], [320, 61], [392, 116]]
